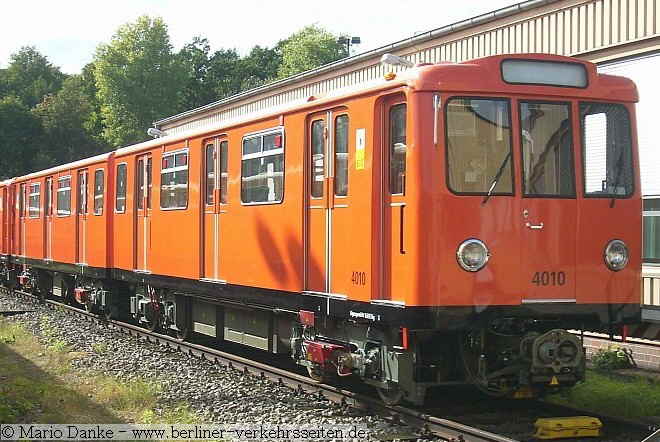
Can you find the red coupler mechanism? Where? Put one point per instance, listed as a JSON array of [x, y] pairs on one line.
[[24, 279], [81, 295]]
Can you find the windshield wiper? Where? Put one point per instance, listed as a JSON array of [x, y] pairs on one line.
[[619, 163], [496, 178]]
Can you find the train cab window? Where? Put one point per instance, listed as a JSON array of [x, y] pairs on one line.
[[34, 202], [174, 181], [98, 192], [64, 196], [606, 150], [341, 155], [120, 196], [479, 146], [398, 149], [262, 168], [547, 149], [318, 158]]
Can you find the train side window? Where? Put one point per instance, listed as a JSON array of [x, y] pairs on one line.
[[606, 150], [479, 146], [341, 155], [398, 149], [174, 181], [98, 192], [318, 158], [262, 168], [34, 202], [120, 197], [210, 173], [547, 149], [64, 196]]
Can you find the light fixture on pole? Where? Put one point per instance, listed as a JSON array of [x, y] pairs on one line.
[[348, 41]]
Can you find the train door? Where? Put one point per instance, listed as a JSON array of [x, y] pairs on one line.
[[21, 219], [329, 205], [48, 219], [3, 219], [214, 207], [549, 206], [394, 200], [81, 218], [143, 212]]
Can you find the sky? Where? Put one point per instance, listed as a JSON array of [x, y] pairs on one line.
[[69, 31]]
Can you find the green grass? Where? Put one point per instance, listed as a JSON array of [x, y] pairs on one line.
[[39, 385], [634, 397]]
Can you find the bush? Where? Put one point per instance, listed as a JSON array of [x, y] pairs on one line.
[[613, 358]]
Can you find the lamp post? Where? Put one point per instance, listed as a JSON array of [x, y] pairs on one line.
[[348, 41]]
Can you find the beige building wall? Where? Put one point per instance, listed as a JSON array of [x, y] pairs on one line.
[[596, 30]]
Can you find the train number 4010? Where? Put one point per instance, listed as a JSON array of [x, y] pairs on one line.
[[359, 278], [549, 278]]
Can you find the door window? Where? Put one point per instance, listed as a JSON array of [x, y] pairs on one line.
[[398, 149], [341, 155], [547, 149], [318, 158]]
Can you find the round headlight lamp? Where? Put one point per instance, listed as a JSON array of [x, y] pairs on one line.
[[472, 255], [616, 255]]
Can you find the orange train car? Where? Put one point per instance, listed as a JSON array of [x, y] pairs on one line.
[[447, 223]]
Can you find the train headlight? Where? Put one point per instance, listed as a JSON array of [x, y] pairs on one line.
[[616, 255], [472, 255]]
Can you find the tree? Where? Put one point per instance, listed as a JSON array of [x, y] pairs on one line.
[[307, 49], [30, 77], [197, 89], [260, 66], [19, 132], [68, 123], [138, 79]]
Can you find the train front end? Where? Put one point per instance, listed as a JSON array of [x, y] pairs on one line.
[[535, 227]]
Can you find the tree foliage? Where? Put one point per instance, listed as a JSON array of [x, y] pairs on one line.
[[307, 49], [138, 79], [20, 131], [30, 77], [48, 118]]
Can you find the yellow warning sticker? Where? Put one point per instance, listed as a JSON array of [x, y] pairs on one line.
[[360, 135]]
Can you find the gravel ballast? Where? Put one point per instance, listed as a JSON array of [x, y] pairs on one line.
[[215, 392]]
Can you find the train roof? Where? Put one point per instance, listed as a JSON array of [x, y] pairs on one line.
[[64, 167]]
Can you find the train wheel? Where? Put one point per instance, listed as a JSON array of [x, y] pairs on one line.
[[391, 396], [317, 373], [152, 315], [183, 333]]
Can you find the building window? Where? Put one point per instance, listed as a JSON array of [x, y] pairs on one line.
[[98, 192], [547, 148], [34, 202], [120, 197], [262, 168], [64, 196], [398, 149], [479, 146], [341, 155], [174, 181], [607, 150], [651, 229]]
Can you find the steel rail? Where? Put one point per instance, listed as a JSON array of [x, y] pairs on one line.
[[429, 425]]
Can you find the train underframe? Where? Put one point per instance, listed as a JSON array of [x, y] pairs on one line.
[[506, 356]]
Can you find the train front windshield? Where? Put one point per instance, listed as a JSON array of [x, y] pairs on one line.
[[480, 148]]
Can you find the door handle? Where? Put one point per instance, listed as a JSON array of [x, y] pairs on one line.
[[534, 226]]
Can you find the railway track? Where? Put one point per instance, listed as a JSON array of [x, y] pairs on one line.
[[428, 426], [426, 421]]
